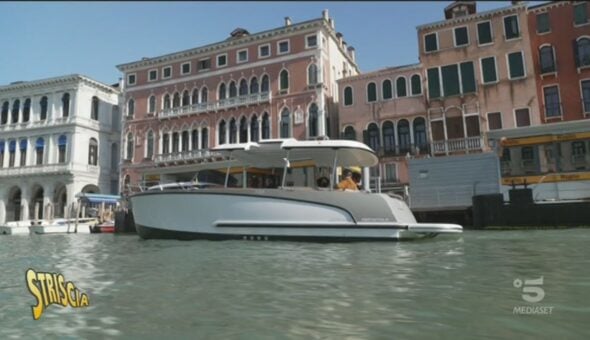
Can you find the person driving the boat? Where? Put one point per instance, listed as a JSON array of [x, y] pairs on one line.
[[347, 183]]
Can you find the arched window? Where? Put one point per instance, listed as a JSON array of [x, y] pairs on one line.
[[23, 152], [150, 145], [243, 130], [416, 85], [420, 134], [204, 93], [93, 151], [15, 111], [129, 154], [195, 96], [264, 86], [176, 100], [195, 139], [313, 120], [130, 108], [221, 132], [186, 99], [243, 87], [221, 92], [285, 130], [254, 130], [65, 105], [175, 142], [62, 142], [403, 133], [205, 138], [94, 109], [2, 145], [371, 92], [184, 141], [372, 137], [166, 143], [582, 52], [546, 59], [349, 133], [265, 126], [43, 105], [233, 90], [254, 88], [27, 110], [233, 131], [387, 89], [4, 118], [388, 137], [11, 153], [312, 74], [284, 80], [39, 150], [167, 102], [152, 104], [347, 96], [400, 85]]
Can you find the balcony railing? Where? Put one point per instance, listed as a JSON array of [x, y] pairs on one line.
[[397, 150], [249, 99], [457, 145], [187, 156], [43, 169]]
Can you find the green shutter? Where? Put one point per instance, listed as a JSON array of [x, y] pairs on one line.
[[450, 80], [387, 90], [467, 77], [348, 96], [580, 15], [430, 42], [516, 65], [488, 68], [401, 87], [433, 83], [543, 23], [372, 92], [461, 37], [511, 27], [484, 33], [416, 86]]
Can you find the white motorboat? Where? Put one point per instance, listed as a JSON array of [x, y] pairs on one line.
[[65, 226], [295, 210], [16, 228]]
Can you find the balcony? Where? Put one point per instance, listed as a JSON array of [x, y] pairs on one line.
[[32, 170], [402, 151], [185, 157], [250, 99], [457, 145]]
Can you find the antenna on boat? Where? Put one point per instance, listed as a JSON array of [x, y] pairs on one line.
[[228, 168]]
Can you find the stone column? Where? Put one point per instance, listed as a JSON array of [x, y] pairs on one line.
[[3, 193], [200, 137], [190, 140], [25, 197]]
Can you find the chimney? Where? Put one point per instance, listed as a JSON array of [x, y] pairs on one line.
[[287, 21], [344, 45], [351, 53], [325, 14], [331, 21], [339, 36]]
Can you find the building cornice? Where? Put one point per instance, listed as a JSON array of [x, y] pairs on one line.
[[546, 6], [381, 72], [472, 17], [219, 47], [62, 80]]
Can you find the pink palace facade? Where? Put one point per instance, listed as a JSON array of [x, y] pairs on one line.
[[274, 84]]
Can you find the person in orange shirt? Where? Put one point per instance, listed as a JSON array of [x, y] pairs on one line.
[[347, 183]]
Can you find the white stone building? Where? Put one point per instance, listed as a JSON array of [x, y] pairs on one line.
[[58, 137]]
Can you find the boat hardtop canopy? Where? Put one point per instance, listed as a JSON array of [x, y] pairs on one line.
[[275, 152]]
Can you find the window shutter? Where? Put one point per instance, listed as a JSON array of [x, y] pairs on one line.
[[468, 77], [433, 83]]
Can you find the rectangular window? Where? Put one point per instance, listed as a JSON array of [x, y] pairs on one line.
[[152, 75], [283, 46], [511, 29], [433, 83], [516, 65], [467, 77], [494, 120], [311, 41], [488, 70], [131, 79], [522, 117], [263, 51], [185, 68], [204, 64], [586, 95], [543, 25], [546, 59], [242, 56], [580, 14], [578, 148], [430, 42], [167, 72], [222, 60], [552, 104], [461, 36], [450, 80], [484, 32], [390, 172]]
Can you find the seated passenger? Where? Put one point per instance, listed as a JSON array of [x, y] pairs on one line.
[[347, 183], [323, 182]]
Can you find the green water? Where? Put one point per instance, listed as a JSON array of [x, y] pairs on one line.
[[457, 288]]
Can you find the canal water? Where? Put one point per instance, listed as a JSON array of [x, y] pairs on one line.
[[469, 287]]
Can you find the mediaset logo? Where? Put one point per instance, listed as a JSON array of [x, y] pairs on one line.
[[52, 288], [532, 292]]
